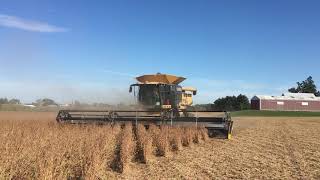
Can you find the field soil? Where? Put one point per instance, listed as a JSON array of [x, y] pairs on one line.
[[261, 148]]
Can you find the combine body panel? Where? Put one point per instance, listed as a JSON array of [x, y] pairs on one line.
[[186, 97], [164, 101]]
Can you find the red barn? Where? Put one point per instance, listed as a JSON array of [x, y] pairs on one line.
[[287, 102]]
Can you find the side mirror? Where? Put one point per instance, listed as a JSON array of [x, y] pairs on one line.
[[194, 93], [130, 89]]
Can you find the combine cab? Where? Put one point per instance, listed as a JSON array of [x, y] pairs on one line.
[[163, 101]]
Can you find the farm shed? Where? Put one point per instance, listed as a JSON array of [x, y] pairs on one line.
[[286, 102]]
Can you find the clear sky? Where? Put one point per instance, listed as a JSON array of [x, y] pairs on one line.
[[90, 50]]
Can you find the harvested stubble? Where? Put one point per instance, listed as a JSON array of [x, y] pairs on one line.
[[144, 144]]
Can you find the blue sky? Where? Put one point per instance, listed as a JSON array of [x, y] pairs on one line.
[[90, 50]]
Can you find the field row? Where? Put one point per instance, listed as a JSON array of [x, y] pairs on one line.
[[39, 149]]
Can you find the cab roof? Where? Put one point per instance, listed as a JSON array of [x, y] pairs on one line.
[[160, 79]]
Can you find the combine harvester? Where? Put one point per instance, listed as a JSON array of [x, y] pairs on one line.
[[159, 100]]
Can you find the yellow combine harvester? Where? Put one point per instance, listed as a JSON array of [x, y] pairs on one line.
[[162, 92], [161, 100]]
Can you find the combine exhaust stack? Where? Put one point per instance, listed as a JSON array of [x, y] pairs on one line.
[[219, 125]]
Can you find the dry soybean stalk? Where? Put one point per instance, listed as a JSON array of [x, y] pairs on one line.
[[124, 149], [144, 144], [187, 136], [175, 138], [204, 133]]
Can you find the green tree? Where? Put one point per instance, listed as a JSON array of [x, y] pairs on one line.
[[232, 103], [14, 101], [45, 102], [243, 102], [201, 107], [3, 101], [306, 86]]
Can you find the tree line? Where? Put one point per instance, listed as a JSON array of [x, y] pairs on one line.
[[39, 102], [232, 103], [306, 86], [11, 101], [241, 102], [228, 103]]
